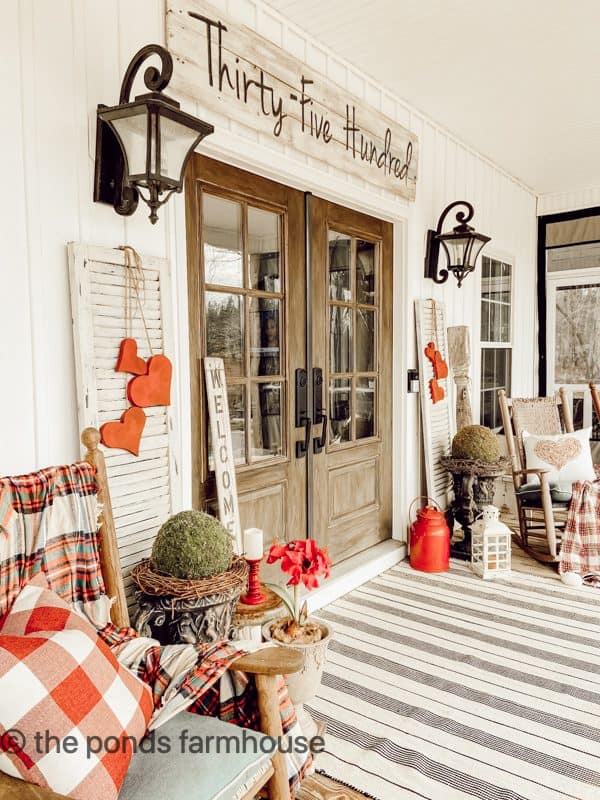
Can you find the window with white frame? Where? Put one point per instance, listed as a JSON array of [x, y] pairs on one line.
[[496, 337]]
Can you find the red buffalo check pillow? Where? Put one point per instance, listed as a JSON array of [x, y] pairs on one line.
[[67, 707]]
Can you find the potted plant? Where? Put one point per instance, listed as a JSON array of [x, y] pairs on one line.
[[188, 590], [304, 562]]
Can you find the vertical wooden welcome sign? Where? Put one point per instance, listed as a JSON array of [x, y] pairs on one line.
[[220, 431]]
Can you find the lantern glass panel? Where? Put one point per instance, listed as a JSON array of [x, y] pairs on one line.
[[132, 130], [474, 250], [176, 140], [455, 248]]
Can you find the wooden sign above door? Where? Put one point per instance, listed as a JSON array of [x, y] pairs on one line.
[[229, 68]]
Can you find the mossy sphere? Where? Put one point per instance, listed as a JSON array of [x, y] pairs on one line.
[[192, 545], [476, 442]]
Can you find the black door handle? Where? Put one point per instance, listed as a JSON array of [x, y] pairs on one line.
[[302, 446], [319, 441], [319, 416]]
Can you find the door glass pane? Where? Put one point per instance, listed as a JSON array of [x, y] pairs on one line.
[[340, 266], [340, 339], [265, 345], [340, 410], [225, 330], [264, 248], [365, 340], [266, 420], [222, 237], [366, 404], [577, 344], [237, 420], [366, 263]]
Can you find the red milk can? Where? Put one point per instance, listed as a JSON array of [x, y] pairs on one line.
[[429, 539]]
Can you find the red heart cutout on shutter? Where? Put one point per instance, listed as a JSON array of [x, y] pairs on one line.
[[127, 433], [128, 360], [440, 368], [437, 392], [153, 389]]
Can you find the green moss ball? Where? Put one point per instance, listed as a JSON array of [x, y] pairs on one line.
[[192, 545], [476, 442]]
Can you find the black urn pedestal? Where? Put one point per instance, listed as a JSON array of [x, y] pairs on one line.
[[474, 485], [175, 621]]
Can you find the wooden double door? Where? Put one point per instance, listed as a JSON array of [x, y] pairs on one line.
[[295, 294]]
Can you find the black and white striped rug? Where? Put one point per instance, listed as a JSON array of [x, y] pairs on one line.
[[446, 686]]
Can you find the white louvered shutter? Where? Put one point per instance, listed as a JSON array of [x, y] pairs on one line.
[[437, 417], [142, 488]]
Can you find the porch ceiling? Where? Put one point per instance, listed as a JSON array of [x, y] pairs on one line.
[[518, 81]]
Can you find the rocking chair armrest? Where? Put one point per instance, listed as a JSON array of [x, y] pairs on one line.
[[539, 472], [16, 789], [270, 661]]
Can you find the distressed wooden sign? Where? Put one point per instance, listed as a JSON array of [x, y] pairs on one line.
[[229, 68], [222, 447]]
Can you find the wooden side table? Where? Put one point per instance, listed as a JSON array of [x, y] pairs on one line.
[[248, 620]]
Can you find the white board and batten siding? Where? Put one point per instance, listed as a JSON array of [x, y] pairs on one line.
[[142, 488], [437, 417]]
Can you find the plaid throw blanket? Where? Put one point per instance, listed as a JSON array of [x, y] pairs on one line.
[[48, 523], [580, 548]]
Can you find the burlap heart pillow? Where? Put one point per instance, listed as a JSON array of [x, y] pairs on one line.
[[567, 456]]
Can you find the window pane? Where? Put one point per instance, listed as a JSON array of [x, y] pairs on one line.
[[577, 350], [265, 346], [340, 339], [495, 301], [340, 266], [266, 420], [366, 263], [225, 330], [264, 249], [340, 401], [495, 375], [237, 419], [366, 403], [365, 340], [222, 236]]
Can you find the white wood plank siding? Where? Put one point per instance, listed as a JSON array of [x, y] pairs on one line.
[[437, 418], [51, 203], [141, 487]]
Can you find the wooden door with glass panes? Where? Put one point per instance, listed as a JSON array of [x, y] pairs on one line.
[[245, 238], [351, 322]]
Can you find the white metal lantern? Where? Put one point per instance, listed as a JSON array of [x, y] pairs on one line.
[[490, 545]]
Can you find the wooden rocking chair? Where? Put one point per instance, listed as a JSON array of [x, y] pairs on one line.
[[595, 399], [265, 665], [541, 508]]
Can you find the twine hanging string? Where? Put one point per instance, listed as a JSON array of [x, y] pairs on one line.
[[135, 284]]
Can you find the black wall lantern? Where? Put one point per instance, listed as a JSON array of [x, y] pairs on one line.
[[462, 245], [143, 146]]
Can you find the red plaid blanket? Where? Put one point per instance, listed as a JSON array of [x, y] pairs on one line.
[[580, 548], [48, 523]]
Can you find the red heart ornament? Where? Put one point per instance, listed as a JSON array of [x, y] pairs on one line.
[[127, 433], [153, 389], [430, 351], [128, 360], [437, 392], [440, 367]]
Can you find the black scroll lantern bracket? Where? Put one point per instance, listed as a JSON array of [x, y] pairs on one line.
[[143, 145], [462, 245]]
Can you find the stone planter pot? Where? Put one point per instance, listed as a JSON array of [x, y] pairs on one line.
[[304, 685], [175, 621]]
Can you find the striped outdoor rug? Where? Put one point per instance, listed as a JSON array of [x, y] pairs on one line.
[[446, 686]]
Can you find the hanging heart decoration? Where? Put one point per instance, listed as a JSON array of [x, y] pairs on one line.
[[440, 366], [125, 434], [437, 391], [128, 360], [153, 389]]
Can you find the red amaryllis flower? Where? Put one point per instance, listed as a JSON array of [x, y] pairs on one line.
[[303, 560]]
